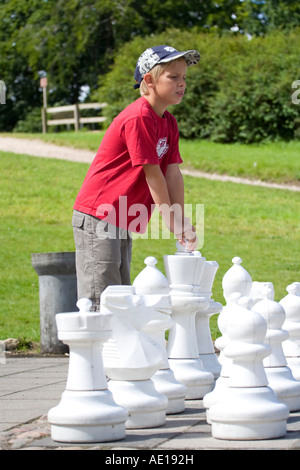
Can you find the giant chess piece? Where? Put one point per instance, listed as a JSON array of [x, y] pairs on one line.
[[131, 357], [235, 280], [291, 346], [249, 408], [206, 348], [184, 271], [87, 411], [149, 283], [279, 375], [236, 283], [261, 290]]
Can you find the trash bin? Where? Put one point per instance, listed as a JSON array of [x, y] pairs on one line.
[[57, 294]]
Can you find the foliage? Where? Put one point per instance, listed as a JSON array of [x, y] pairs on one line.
[[260, 17], [240, 91], [31, 122], [75, 41]]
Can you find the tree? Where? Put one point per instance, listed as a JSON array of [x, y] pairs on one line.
[[76, 41], [259, 17]]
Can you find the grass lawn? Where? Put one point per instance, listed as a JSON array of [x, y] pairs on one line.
[[272, 161], [36, 197]]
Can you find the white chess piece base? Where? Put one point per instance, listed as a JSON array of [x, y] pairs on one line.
[[145, 405], [165, 383], [87, 416], [192, 374], [249, 414], [294, 364], [286, 387], [217, 393]]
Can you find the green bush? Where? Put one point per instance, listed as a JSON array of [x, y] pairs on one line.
[[240, 92], [32, 122]]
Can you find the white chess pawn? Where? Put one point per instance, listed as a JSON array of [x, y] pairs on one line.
[[131, 357], [235, 280], [87, 411], [291, 346], [184, 271], [204, 341], [279, 374], [237, 284], [151, 282], [249, 409], [222, 342]]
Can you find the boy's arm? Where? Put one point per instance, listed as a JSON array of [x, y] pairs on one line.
[[175, 185], [167, 191]]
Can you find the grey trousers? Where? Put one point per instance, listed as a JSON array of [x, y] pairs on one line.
[[103, 256]]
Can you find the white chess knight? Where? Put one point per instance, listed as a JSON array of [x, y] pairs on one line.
[[248, 408], [87, 411], [291, 346], [184, 271], [150, 283], [131, 357], [279, 375]]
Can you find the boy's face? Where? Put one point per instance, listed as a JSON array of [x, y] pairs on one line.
[[170, 86]]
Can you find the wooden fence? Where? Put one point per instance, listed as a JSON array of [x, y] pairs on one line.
[[64, 115]]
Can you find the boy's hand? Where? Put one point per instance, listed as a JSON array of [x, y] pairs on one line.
[[188, 238]]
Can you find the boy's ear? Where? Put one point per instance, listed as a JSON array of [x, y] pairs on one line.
[[148, 80]]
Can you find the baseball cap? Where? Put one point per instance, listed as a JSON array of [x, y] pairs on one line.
[[158, 55]]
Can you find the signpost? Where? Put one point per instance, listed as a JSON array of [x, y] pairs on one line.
[[43, 85]]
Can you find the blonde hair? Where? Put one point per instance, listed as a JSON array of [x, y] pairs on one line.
[[156, 72]]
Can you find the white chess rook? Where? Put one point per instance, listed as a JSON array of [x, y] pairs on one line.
[[291, 346], [184, 271], [87, 412], [131, 357], [279, 375], [150, 283], [248, 409]]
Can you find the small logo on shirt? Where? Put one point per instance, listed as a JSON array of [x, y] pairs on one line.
[[162, 147]]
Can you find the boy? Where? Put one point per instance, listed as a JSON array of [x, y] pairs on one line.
[[135, 168]]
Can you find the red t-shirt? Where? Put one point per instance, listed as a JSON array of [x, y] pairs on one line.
[[115, 187]]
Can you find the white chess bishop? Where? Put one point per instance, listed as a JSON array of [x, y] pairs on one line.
[[291, 346], [131, 357], [87, 411], [248, 408], [151, 283], [184, 271]]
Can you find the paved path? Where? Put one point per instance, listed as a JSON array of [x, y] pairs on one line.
[[39, 148], [30, 386]]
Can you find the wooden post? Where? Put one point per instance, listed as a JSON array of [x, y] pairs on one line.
[[44, 121], [43, 85], [76, 117]]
